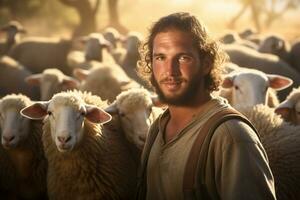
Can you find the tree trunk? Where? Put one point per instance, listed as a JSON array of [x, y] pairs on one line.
[[87, 16], [114, 16]]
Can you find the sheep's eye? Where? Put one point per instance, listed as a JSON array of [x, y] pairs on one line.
[[49, 113], [236, 87], [82, 113], [122, 114]]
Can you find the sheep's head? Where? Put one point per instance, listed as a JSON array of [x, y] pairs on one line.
[[14, 127], [134, 109], [251, 87], [94, 44], [66, 113], [52, 81], [290, 108]]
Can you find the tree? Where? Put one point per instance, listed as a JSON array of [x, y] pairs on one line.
[[87, 15], [273, 14], [114, 19]]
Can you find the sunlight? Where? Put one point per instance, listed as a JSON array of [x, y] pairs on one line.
[[182, 2]]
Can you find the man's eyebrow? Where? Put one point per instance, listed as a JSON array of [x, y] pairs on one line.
[[158, 54]]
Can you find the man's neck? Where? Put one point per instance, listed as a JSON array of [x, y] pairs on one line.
[[180, 116]]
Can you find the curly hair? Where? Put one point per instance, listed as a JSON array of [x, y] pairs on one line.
[[209, 51]]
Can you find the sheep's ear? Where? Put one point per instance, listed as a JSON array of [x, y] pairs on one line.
[[81, 74], [34, 79], [97, 115], [284, 112], [112, 109], [36, 111], [227, 82], [278, 82], [70, 83], [284, 109]]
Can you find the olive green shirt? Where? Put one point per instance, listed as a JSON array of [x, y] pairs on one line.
[[237, 165]]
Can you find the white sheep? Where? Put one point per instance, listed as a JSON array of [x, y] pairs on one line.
[[282, 144], [23, 165], [135, 110], [52, 81], [85, 160], [251, 87], [105, 80], [290, 108], [267, 63]]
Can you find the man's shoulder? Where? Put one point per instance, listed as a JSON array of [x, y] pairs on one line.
[[236, 131]]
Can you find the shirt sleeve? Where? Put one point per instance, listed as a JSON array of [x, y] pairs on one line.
[[237, 165]]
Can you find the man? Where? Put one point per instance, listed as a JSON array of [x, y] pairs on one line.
[[183, 65]]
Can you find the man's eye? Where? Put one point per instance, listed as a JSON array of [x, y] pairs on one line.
[[159, 58], [184, 59]]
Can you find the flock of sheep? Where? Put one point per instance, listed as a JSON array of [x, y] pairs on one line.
[[74, 114]]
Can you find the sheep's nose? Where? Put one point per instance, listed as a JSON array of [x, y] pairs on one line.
[[8, 138], [63, 139]]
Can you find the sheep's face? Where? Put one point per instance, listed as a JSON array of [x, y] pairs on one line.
[[66, 124], [249, 89], [14, 127], [135, 123]]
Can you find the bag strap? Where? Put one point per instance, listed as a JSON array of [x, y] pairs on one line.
[[196, 163]]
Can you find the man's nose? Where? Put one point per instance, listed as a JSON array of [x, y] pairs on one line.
[[172, 67]]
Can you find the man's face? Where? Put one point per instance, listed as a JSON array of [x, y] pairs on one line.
[[177, 73]]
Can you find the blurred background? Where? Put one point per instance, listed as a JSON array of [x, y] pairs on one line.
[[66, 18]]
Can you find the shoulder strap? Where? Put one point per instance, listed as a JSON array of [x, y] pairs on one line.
[[192, 187]]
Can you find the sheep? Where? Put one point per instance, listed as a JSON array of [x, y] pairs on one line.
[[281, 142], [270, 64], [294, 56], [135, 110], [95, 45], [290, 108], [115, 38], [132, 56], [96, 48], [251, 87], [274, 44], [104, 80], [52, 81], [85, 159], [37, 53], [13, 30], [23, 165], [278, 46], [12, 79], [233, 37]]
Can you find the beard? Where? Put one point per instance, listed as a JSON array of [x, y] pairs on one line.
[[186, 97]]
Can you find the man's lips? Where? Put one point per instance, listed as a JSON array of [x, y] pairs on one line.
[[171, 84]]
